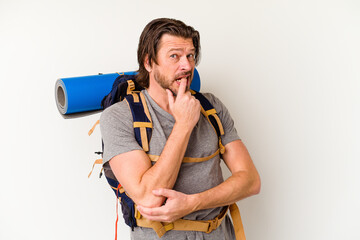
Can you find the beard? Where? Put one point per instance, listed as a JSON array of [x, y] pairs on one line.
[[166, 83]]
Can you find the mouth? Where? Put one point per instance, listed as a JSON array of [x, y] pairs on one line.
[[187, 77]]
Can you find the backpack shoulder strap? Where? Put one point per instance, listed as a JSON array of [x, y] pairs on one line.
[[141, 117], [130, 91], [208, 110]]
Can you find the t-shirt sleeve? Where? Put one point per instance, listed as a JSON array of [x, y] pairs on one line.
[[230, 133], [117, 131]]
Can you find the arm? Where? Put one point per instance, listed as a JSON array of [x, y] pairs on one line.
[[134, 169], [244, 182], [138, 177]]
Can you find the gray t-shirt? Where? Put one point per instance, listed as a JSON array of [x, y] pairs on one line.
[[117, 131]]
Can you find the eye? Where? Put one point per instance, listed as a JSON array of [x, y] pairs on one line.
[[191, 56], [173, 56]]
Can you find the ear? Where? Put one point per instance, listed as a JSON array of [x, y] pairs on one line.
[[147, 64]]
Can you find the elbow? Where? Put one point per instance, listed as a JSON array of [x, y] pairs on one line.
[[150, 202], [255, 185], [146, 198]]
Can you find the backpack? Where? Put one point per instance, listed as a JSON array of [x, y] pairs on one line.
[[126, 88]]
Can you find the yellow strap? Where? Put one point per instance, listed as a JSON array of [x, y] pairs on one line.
[[221, 146], [121, 189], [131, 87], [144, 139], [155, 158], [146, 109], [207, 117], [219, 123], [204, 113], [158, 227], [214, 114], [238, 226], [161, 228], [211, 111], [195, 225], [93, 128], [142, 125], [221, 129], [136, 97], [97, 161]]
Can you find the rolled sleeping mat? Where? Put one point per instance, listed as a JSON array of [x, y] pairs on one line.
[[83, 94]]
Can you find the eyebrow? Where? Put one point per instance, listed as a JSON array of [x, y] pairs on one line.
[[180, 49]]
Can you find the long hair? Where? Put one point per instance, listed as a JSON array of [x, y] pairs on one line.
[[150, 39]]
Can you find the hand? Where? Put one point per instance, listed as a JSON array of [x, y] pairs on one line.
[[177, 205], [184, 108]]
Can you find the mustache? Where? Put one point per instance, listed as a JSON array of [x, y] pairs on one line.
[[183, 74]]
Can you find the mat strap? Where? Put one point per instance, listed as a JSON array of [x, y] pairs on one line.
[[97, 161], [93, 127]]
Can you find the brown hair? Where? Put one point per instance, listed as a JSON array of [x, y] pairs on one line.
[[150, 39]]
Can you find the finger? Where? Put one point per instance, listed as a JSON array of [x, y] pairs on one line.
[[155, 218], [155, 214], [170, 98], [151, 212], [168, 193], [182, 88]]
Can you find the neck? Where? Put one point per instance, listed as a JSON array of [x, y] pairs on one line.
[[159, 95]]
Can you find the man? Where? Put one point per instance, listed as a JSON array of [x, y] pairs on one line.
[[168, 190]]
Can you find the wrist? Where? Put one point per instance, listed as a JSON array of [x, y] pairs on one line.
[[195, 202], [183, 127]]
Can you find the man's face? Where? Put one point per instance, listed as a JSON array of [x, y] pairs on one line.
[[176, 61]]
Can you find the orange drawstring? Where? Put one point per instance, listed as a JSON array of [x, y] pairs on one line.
[[117, 211]]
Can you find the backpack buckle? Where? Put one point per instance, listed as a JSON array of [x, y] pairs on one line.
[[131, 86], [213, 224]]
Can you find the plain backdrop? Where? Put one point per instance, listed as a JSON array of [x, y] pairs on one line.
[[288, 71]]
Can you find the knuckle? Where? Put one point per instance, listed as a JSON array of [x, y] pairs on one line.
[[168, 219], [167, 212]]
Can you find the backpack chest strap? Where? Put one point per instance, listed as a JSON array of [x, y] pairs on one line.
[[155, 158]]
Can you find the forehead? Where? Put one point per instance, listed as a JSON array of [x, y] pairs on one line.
[[169, 42]]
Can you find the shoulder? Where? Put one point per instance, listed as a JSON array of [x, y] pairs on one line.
[[211, 97], [225, 118], [115, 114], [117, 110], [216, 102]]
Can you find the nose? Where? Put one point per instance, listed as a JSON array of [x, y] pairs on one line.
[[185, 64]]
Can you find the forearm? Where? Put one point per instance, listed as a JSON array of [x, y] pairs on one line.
[[244, 182], [178, 204], [164, 173], [134, 169], [240, 185]]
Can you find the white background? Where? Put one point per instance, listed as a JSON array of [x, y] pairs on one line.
[[287, 70]]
